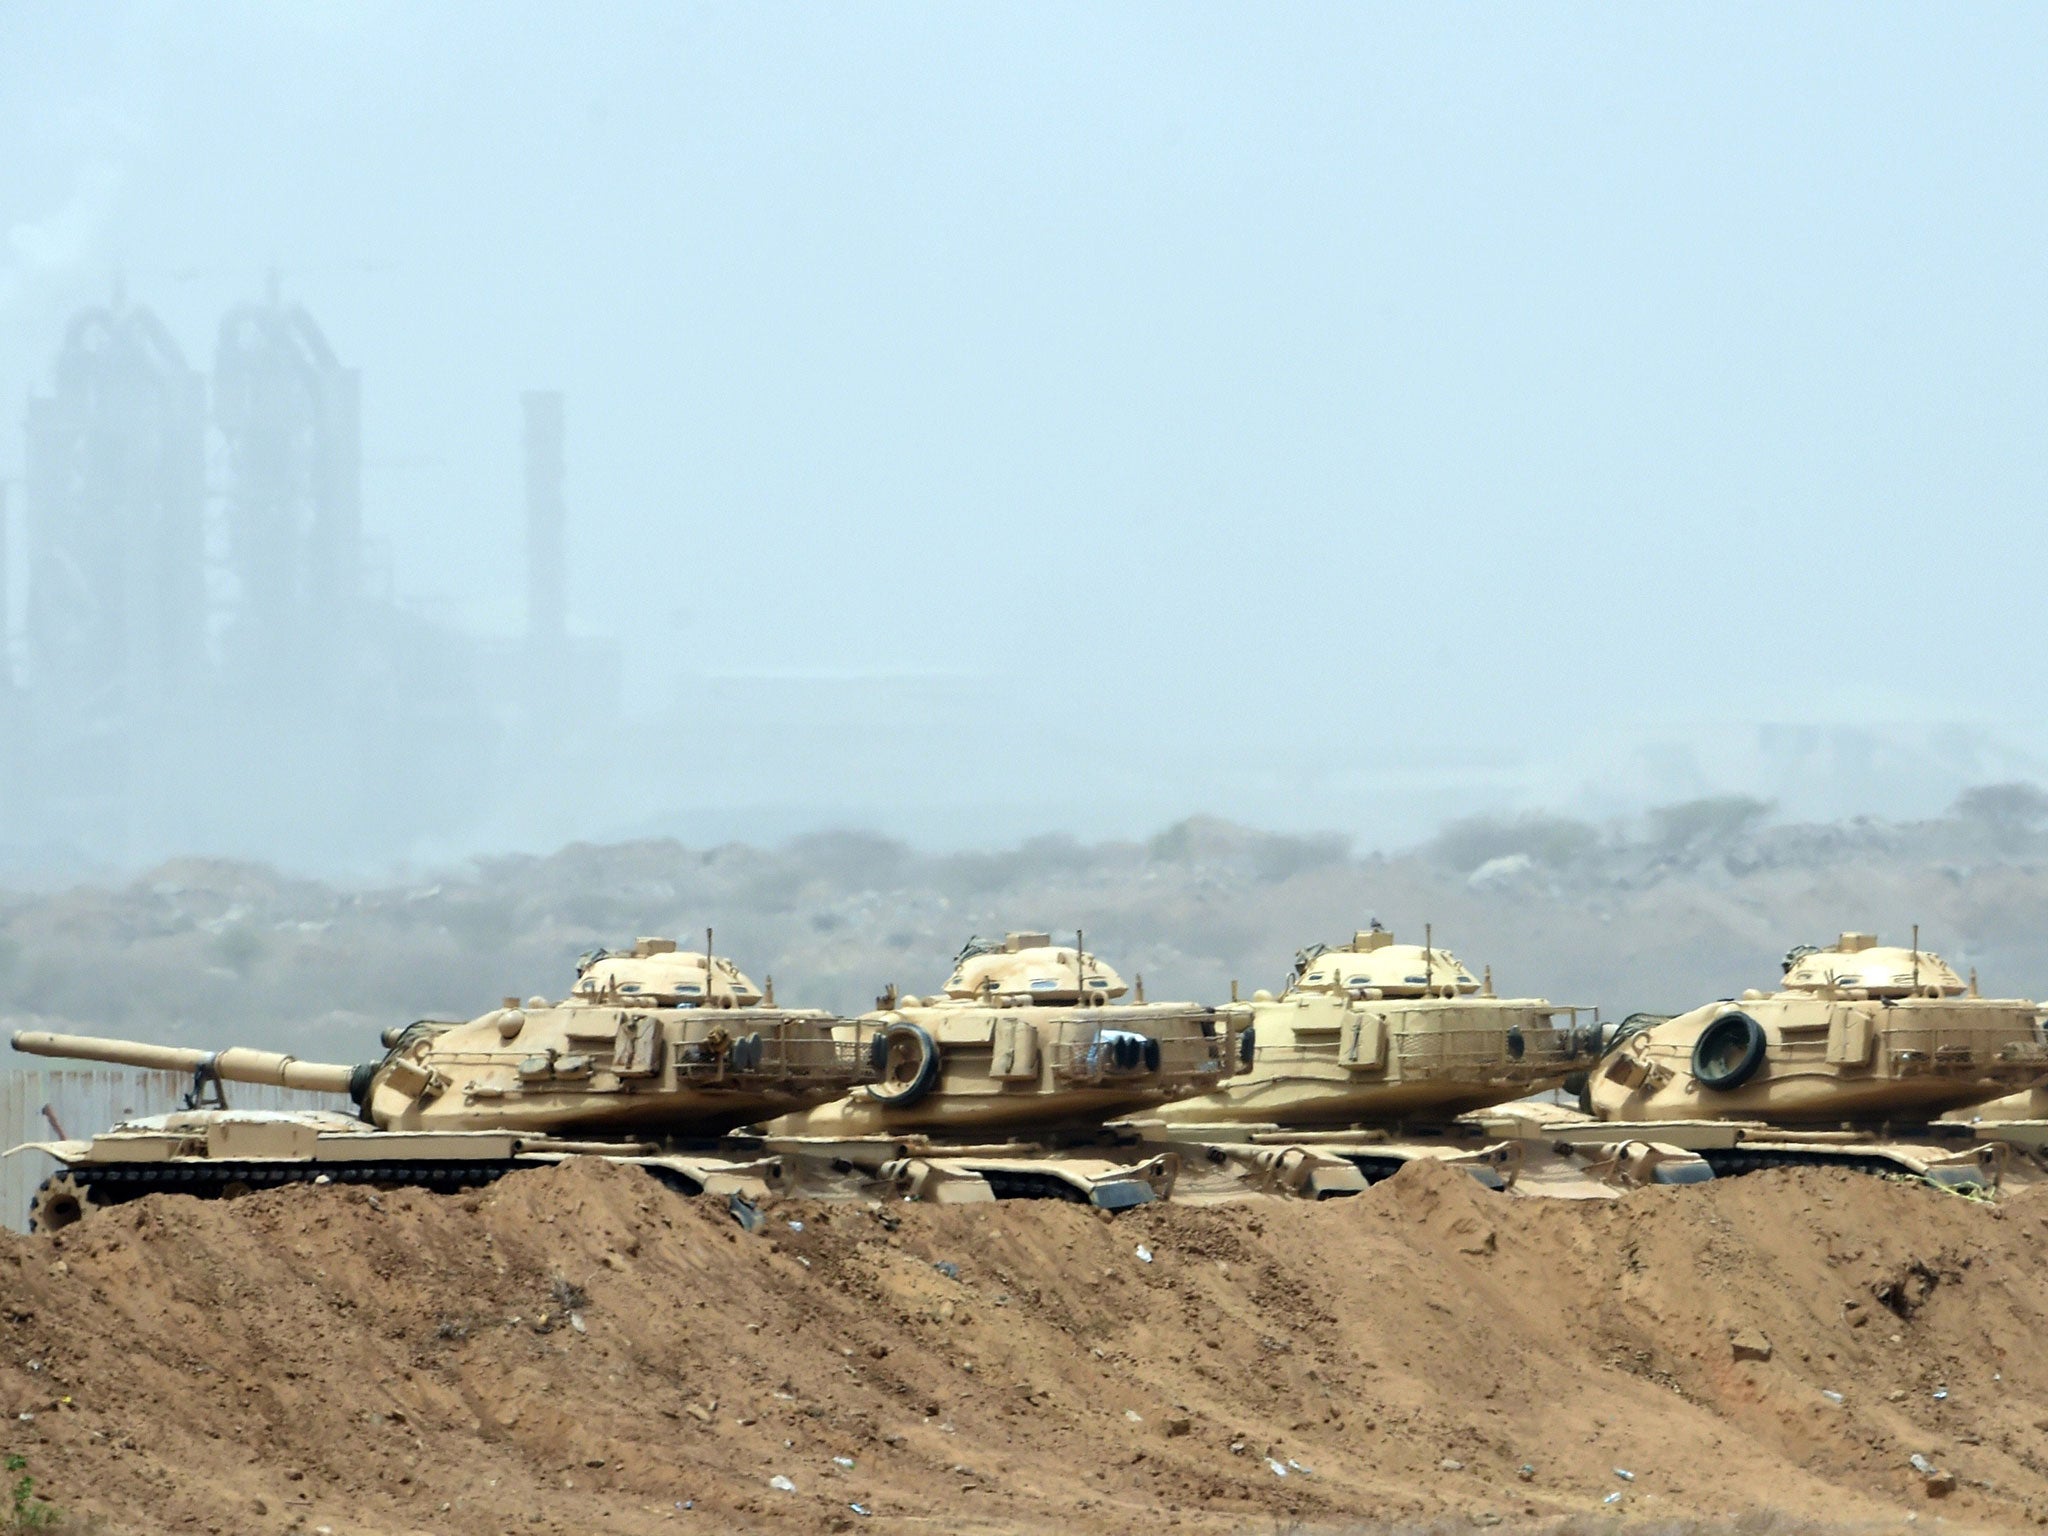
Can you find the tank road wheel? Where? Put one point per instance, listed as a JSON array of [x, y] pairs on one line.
[[906, 1063], [60, 1200], [1728, 1052]]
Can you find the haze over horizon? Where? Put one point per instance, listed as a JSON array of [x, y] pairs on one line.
[[996, 421]]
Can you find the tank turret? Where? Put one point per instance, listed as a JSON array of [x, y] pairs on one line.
[[654, 1040], [654, 1050], [1029, 968], [1377, 1033], [656, 971], [1025, 1037], [673, 1057], [1856, 1033], [642, 1045]]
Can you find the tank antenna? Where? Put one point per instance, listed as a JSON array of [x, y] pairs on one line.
[[1428, 956], [1916, 957], [1080, 966], [707, 967]]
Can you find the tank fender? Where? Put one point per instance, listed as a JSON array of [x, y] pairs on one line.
[[1632, 1164], [937, 1183]]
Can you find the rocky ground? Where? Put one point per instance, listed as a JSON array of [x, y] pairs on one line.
[[579, 1350]]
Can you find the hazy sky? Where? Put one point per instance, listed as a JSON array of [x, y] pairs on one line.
[[1297, 408]]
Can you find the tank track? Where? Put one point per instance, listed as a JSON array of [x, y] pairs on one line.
[[1728, 1162], [1374, 1168], [117, 1183], [1008, 1185], [1377, 1169]]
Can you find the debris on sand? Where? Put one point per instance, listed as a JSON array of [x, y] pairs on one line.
[[374, 1362]]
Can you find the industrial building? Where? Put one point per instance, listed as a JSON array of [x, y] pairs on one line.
[[199, 664]]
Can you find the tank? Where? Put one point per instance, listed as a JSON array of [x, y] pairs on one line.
[[1380, 1033], [1849, 1062], [1001, 1083], [1857, 1032], [1372, 1055], [2017, 1122], [653, 1058]]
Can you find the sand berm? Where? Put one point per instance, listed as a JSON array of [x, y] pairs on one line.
[[578, 1349]]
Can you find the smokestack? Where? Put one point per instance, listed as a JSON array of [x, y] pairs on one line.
[[546, 583], [336, 566], [6, 611]]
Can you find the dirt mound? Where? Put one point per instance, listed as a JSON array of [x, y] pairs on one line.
[[579, 1350]]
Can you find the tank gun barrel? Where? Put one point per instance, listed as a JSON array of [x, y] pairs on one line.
[[237, 1064]]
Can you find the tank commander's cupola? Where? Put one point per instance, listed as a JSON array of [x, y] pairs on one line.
[[1030, 968], [656, 972], [1857, 964], [1374, 965]]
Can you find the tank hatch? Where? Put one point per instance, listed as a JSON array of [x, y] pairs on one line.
[[1374, 962], [1857, 962], [1029, 967], [656, 971]]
